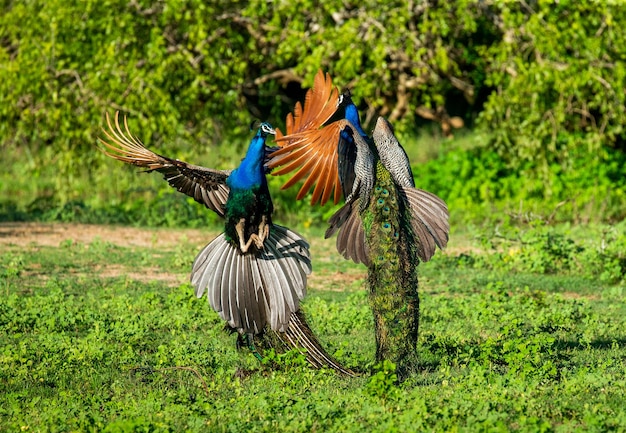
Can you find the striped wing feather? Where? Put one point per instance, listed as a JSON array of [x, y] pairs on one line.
[[429, 220], [351, 237], [204, 185]]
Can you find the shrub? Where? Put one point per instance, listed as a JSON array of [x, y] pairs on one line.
[[545, 80]]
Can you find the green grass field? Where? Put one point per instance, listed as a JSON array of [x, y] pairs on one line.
[[103, 333]]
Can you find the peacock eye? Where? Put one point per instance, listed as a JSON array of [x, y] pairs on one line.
[[380, 202], [387, 227], [385, 193], [386, 210], [378, 189]]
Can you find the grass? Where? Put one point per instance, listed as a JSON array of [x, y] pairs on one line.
[[521, 320], [94, 339]]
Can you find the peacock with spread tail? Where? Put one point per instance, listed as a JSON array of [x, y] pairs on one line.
[[386, 223], [255, 272]]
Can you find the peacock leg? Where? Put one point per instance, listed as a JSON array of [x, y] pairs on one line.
[[243, 245], [264, 232], [247, 340]]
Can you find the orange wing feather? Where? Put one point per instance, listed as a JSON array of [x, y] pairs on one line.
[[310, 147]]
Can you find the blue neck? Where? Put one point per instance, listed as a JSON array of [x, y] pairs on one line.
[[250, 172], [352, 115]]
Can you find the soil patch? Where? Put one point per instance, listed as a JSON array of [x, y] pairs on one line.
[[52, 234]]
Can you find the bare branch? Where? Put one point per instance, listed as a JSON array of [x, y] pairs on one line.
[[284, 76]]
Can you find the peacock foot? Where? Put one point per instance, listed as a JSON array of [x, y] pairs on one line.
[[264, 231], [243, 245], [257, 241]]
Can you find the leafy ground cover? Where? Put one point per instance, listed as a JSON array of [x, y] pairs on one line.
[[522, 329]]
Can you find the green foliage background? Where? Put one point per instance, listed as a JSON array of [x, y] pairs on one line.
[[539, 84]]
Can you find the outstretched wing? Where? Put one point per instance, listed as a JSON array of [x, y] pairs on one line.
[[311, 147], [205, 185]]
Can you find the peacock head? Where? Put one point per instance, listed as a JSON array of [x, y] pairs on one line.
[[264, 128], [344, 99]]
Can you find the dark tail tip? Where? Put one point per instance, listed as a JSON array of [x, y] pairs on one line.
[[300, 336]]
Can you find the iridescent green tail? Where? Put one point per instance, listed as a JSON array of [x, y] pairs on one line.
[[395, 304], [392, 276]]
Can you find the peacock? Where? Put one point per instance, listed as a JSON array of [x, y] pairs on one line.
[[386, 223], [254, 273]]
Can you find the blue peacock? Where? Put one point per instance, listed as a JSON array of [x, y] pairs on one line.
[[386, 223], [255, 273]]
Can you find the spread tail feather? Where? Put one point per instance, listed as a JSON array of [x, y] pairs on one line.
[[259, 288]]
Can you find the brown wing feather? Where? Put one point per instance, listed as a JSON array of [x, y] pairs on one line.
[[351, 242], [204, 185], [309, 148], [429, 220], [320, 104]]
